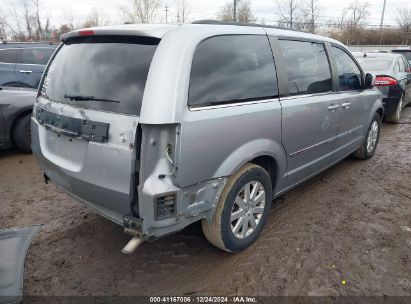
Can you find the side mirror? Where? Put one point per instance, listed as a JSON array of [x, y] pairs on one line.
[[369, 81]]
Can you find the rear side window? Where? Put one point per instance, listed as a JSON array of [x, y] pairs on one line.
[[229, 69], [349, 74], [307, 65], [8, 56], [397, 67], [407, 54], [407, 65], [35, 56], [107, 73], [403, 67]]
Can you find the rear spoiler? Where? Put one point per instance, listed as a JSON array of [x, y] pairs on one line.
[[154, 31]]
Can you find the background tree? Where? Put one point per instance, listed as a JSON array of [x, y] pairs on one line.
[[96, 17], [69, 21], [3, 26], [244, 12], [311, 14], [357, 11], [403, 18], [291, 13], [29, 23], [183, 8], [26, 17], [141, 11]]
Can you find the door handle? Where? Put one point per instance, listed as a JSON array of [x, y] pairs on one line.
[[346, 105], [25, 72], [333, 108]]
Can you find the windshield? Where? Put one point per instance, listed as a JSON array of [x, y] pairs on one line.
[[407, 54], [375, 63], [102, 73]]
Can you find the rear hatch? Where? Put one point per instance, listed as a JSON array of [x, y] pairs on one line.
[[86, 118]]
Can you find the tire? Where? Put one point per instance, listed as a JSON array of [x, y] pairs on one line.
[[365, 151], [221, 231], [21, 133], [395, 118]]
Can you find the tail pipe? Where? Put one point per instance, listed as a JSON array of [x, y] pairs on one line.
[[132, 245]]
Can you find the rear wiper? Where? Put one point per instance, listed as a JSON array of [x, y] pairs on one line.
[[85, 98]]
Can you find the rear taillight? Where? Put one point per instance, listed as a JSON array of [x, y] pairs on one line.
[[385, 81]]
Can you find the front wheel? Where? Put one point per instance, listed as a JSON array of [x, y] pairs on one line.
[[241, 211], [370, 143]]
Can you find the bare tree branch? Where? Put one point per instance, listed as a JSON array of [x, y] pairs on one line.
[[3, 26], [96, 17], [183, 9], [291, 13], [244, 12], [141, 11], [357, 11], [311, 14], [29, 24], [403, 18]]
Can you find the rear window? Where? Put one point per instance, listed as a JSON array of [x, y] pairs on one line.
[[107, 73], [407, 54], [375, 63]]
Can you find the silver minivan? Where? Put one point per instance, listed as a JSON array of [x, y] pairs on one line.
[[156, 127]]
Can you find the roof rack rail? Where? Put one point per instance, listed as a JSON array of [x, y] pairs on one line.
[[217, 22]]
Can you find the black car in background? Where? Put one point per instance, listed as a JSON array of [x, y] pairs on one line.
[[393, 79], [22, 64], [16, 106]]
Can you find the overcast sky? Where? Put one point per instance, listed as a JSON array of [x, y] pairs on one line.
[[206, 9]]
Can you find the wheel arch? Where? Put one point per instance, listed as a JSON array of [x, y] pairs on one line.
[[263, 152], [377, 108], [270, 164], [380, 111]]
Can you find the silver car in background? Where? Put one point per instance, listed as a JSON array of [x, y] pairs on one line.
[[393, 79], [166, 125]]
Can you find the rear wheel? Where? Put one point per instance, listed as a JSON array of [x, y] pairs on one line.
[[241, 211], [395, 118], [371, 140], [22, 133]]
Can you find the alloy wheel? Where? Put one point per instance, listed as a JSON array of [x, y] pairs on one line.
[[372, 136], [399, 110], [248, 209]]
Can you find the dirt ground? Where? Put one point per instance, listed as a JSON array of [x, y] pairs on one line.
[[352, 223]]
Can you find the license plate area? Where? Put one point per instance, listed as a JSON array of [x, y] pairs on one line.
[[73, 127]]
